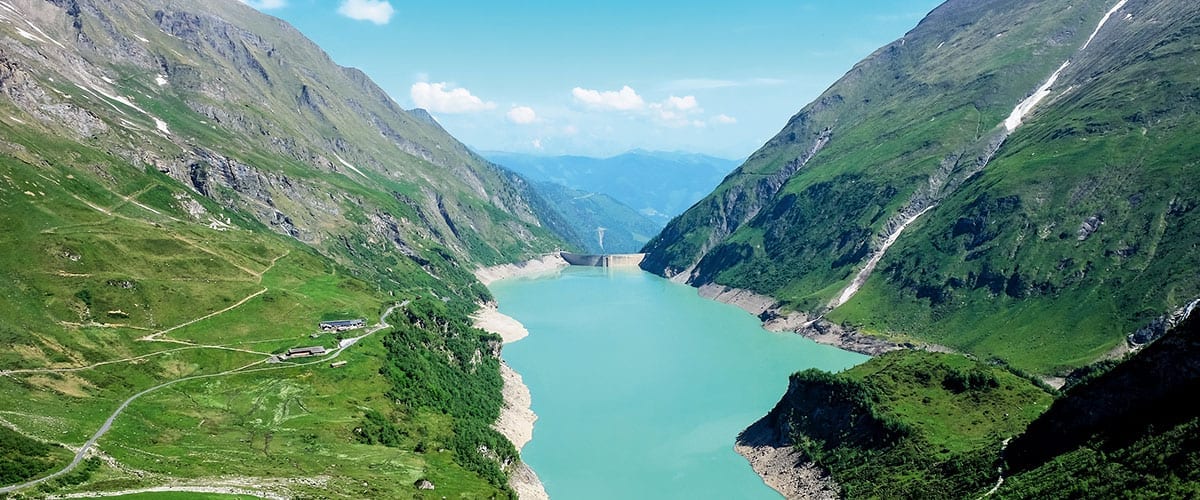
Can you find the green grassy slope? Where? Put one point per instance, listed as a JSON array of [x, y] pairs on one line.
[[1000, 265], [906, 424], [1125, 431], [93, 275], [278, 190], [1004, 267]]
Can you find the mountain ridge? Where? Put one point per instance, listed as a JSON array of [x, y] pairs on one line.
[[658, 184], [903, 138], [187, 189]]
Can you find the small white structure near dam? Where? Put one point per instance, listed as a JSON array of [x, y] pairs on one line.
[[606, 260]]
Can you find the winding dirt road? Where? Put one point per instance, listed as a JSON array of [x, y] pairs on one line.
[[83, 450]]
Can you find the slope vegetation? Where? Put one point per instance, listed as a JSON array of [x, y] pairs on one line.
[[1121, 430], [186, 189], [902, 204], [903, 425]]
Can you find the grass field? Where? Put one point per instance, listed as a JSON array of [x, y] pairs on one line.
[[111, 296]]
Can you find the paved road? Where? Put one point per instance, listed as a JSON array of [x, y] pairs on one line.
[[79, 455]]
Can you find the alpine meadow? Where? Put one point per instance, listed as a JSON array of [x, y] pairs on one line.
[[234, 268]]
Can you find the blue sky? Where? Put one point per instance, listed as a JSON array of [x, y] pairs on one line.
[[601, 78]]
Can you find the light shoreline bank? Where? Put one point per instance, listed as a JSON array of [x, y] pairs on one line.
[[784, 469], [516, 417], [490, 318], [540, 265], [818, 329]]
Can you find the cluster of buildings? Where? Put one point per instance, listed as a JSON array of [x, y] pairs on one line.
[[326, 326], [342, 325]]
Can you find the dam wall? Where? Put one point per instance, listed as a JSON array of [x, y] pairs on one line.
[[606, 260]]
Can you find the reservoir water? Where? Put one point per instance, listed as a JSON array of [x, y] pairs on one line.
[[641, 385]]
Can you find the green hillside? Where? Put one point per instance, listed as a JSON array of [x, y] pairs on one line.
[[905, 424], [186, 190], [1043, 247], [1121, 430], [911, 424], [625, 229]]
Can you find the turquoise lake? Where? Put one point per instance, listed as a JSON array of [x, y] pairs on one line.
[[641, 386]]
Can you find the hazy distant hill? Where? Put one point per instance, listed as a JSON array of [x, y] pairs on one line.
[[660, 185], [625, 230]]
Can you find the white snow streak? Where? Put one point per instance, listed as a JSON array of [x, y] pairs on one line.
[[1103, 21], [29, 35], [348, 165], [865, 272], [43, 33], [1026, 106], [1022, 110]]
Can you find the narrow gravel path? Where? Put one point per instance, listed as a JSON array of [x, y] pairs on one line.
[[83, 450]]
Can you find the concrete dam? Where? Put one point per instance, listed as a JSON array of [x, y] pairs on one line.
[[606, 260]]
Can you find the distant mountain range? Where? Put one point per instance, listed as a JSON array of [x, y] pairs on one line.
[[659, 185], [625, 230]]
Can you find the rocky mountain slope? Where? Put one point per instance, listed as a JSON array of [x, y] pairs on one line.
[[186, 189], [1009, 179], [246, 111]]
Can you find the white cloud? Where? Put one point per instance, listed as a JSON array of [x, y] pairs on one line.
[[570, 130], [724, 119], [436, 98], [522, 115], [625, 99], [266, 4], [376, 11], [677, 111], [685, 103], [537, 144]]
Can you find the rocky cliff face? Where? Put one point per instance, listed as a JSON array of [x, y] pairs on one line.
[[978, 184], [187, 188], [244, 110]]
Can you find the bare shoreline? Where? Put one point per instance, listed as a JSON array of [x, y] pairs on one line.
[[516, 417], [544, 264], [817, 329]]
